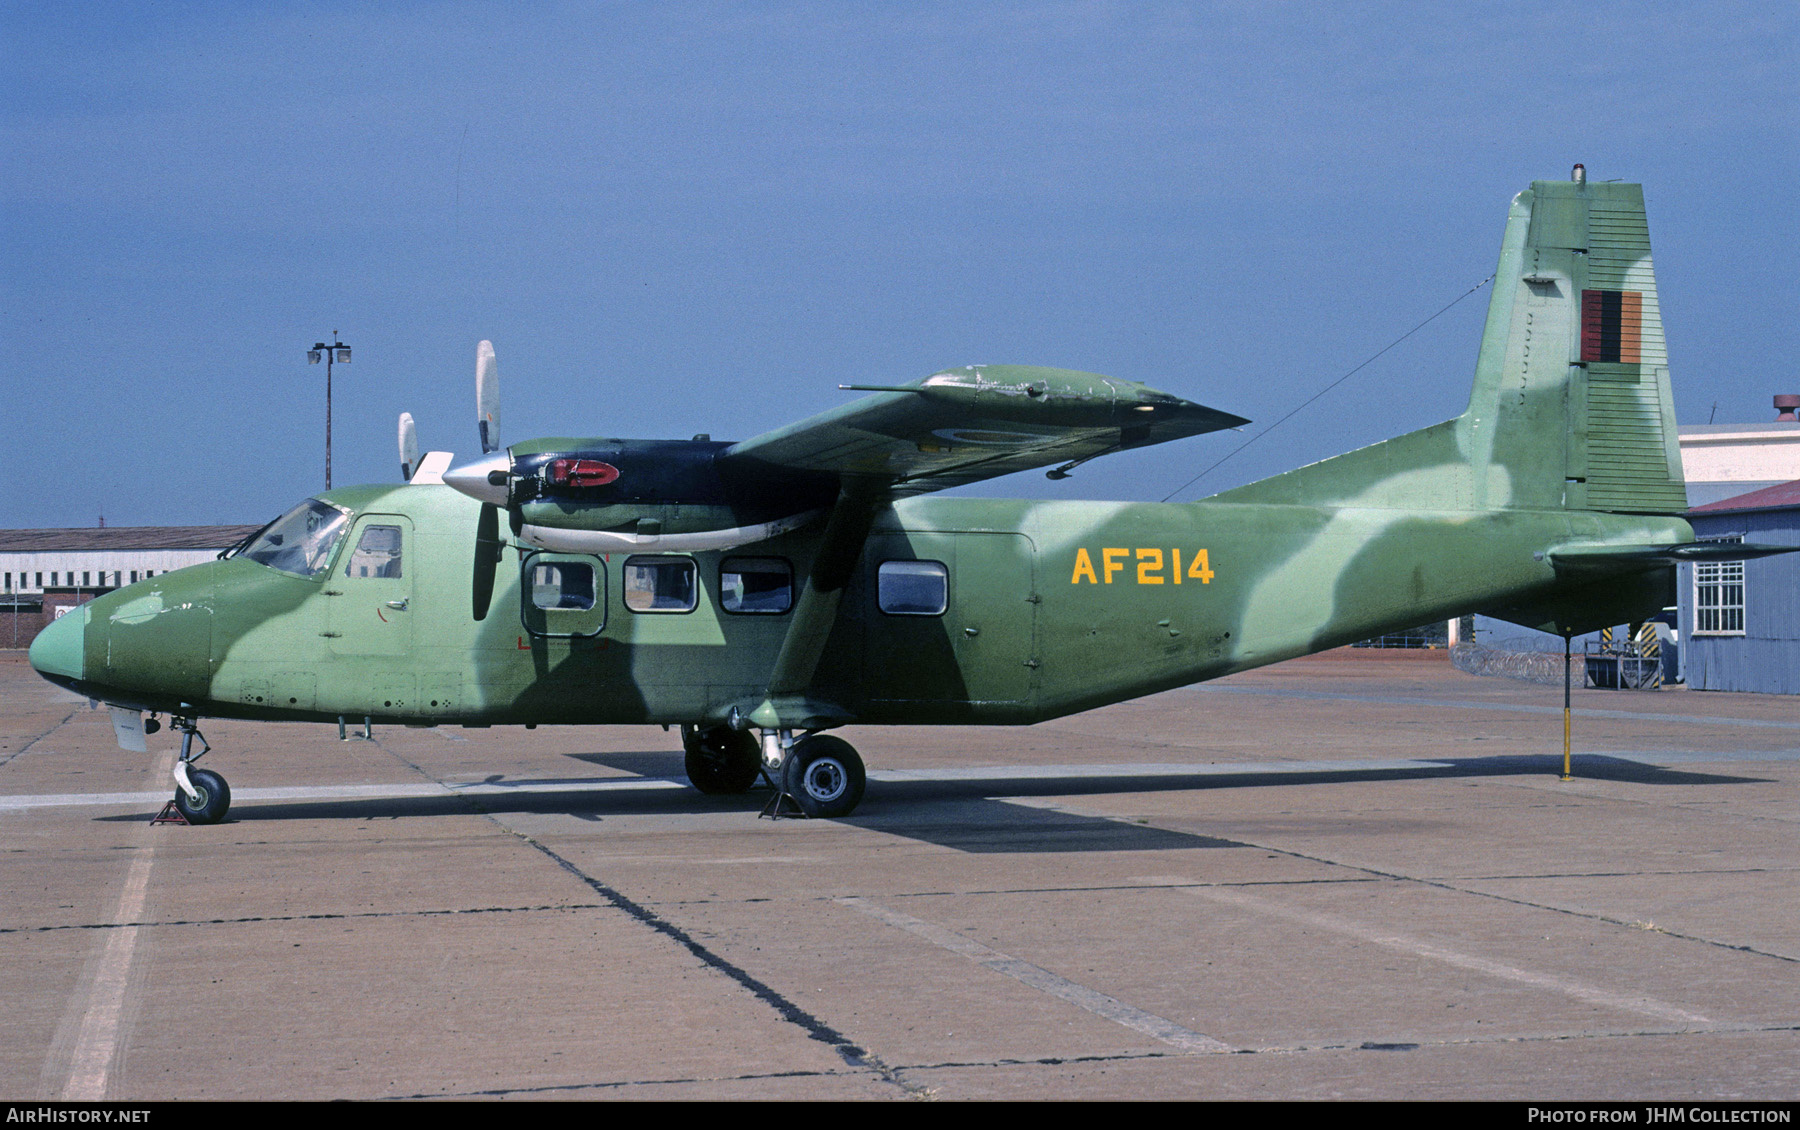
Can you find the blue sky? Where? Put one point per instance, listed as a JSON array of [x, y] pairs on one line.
[[680, 218]]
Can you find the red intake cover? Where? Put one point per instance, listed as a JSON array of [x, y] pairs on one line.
[[580, 473]]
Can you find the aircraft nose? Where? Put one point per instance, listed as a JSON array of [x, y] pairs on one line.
[[59, 653]]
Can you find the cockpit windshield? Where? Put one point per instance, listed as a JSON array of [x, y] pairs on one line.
[[300, 541]]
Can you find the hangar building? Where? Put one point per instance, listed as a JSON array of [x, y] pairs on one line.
[[44, 573]]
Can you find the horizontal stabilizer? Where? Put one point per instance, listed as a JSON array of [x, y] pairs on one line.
[[1613, 557]]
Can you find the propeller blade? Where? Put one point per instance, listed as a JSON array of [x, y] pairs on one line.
[[478, 480], [487, 397], [487, 559], [409, 447]]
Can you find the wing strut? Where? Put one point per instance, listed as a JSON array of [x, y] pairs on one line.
[[786, 704]]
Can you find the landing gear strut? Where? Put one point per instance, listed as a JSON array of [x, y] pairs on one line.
[[201, 796]]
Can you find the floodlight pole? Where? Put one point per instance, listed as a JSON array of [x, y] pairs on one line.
[[336, 351]]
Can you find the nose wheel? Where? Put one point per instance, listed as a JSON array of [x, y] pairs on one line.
[[209, 801], [201, 796]]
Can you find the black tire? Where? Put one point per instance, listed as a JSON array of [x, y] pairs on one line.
[[721, 760], [825, 776], [212, 804]]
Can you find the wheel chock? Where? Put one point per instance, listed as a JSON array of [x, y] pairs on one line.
[[781, 806]]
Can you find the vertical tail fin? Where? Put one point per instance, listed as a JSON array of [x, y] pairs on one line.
[[1571, 408], [1574, 374]]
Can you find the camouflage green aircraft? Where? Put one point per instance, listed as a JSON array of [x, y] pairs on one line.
[[761, 592]]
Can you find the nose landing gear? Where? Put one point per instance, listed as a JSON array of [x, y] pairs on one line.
[[201, 796]]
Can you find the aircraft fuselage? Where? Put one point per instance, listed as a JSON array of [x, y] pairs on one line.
[[957, 611]]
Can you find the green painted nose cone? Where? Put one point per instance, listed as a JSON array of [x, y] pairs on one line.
[[57, 652]]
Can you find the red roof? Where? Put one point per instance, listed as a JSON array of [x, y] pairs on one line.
[[1778, 497]]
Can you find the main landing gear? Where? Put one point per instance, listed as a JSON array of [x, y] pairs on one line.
[[824, 776], [721, 759], [814, 775], [201, 796]]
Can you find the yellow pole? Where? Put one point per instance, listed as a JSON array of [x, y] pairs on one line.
[[1567, 676]]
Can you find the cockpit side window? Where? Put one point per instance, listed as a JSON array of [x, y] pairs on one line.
[[302, 540], [377, 553]]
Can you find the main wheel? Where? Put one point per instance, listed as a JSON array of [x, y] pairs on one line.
[[825, 776], [212, 803], [720, 759]]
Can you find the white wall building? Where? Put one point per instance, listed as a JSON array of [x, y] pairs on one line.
[[1725, 460], [32, 561]]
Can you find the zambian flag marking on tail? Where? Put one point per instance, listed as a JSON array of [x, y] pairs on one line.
[[1612, 326]]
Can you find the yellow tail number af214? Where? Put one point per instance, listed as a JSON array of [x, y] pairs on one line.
[[1148, 566]]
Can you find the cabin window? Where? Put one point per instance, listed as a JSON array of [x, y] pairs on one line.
[[1719, 596], [563, 585], [756, 585], [660, 584], [377, 553], [912, 588], [562, 595]]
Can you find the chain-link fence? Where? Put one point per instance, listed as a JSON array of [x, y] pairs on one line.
[[1618, 669]]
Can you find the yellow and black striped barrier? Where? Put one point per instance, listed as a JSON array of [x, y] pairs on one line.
[[1649, 648]]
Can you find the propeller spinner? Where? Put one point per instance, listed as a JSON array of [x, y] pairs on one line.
[[483, 479]]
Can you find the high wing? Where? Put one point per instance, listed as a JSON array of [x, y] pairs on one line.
[[977, 422]]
